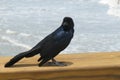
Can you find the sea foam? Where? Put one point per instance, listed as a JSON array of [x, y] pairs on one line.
[[114, 7], [8, 31], [25, 34], [15, 42]]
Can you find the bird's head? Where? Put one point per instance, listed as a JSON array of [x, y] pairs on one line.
[[67, 23]]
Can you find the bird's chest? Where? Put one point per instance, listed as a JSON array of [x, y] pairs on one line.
[[62, 39], [58, 42], [62, 35]]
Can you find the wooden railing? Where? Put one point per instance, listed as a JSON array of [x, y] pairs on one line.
[[89, 66]]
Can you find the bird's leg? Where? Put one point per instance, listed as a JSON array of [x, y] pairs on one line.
[[57, 63], [53, 60]]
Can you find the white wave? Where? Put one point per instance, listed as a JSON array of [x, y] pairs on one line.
[[8, 31], [25, 34], [114, 7], [15, 42], [111, 3], [114, 12]]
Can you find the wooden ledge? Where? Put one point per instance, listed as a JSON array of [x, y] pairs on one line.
[[90, 66]]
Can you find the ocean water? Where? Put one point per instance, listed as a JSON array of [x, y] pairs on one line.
[[23, 23]]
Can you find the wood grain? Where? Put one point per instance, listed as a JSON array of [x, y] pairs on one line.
[[87, 66]]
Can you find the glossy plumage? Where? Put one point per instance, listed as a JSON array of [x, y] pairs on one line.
[[51, 45]]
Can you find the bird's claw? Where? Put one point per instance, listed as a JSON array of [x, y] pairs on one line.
[[59, 64]]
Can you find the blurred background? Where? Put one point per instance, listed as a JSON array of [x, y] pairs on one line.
[[23, 23]]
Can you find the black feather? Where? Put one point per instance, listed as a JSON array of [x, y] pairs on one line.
[[51, 45]]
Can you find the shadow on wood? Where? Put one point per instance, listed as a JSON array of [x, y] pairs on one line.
[[48, 64]]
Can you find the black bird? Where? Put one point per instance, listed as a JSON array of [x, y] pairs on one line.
[[50, 46]]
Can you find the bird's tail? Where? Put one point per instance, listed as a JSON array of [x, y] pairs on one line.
[[16, 59]]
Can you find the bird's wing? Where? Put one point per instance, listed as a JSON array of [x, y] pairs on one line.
[[47, 42], [47, 39], [41, 43], [36, 49]]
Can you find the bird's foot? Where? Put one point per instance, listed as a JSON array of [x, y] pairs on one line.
[[58, 63]]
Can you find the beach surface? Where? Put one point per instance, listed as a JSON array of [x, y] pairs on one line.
[[92, 66]]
